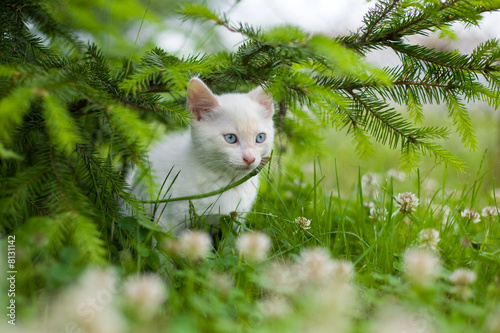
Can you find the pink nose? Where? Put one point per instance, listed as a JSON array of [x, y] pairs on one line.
[[249, 160]]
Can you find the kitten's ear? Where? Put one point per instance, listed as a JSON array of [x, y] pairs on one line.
[[200, 100], [264, 99]]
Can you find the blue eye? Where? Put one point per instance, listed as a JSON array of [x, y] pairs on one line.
[[260, 138], [230, 138]]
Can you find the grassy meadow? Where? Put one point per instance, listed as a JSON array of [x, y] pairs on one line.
[[335, 244]]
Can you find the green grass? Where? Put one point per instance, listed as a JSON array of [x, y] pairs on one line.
[[289, 292]]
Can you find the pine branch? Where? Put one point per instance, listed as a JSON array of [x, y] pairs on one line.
[[461, 119], [390, 21], [389, 125], [87, 238], [56, 173], [449, 59], [60, 124], [105, 182], [44, 22], [375, 16]]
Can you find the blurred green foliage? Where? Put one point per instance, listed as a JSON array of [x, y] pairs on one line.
[[84, 91]]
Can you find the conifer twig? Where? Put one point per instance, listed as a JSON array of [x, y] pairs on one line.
[[373, 24], [254, 172]]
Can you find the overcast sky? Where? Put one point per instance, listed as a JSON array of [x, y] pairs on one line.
[[333, 17]]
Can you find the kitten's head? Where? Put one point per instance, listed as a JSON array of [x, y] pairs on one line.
[[232, 132]]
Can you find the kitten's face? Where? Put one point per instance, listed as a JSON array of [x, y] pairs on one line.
[[231, 132]]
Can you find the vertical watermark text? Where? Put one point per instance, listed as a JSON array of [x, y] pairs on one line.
[[11, 278]]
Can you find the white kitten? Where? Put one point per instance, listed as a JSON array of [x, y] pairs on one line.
[[230, 134]]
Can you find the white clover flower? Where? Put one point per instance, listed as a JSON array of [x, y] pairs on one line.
[[369, 204], [99, 278], [421, 266], [428, 238], [343, 270], [471, 215], [253, 246], [430, 187], [316, 265], [194, 244], [146, 293], [406, 202], [329, 305], [370, 185], [303, 223], [108, 320], [396, 174], [89, 304], [490, 211], [377, 214], [463, 277], [281, 278], [393, 319], [495, 193], [274, 307]]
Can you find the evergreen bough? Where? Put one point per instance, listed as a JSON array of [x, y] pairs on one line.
[[72, 120]]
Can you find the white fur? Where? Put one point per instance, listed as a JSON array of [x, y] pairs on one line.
[[206, 162]]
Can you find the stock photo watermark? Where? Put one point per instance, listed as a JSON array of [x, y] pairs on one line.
[[11, 278], [88, 311]]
